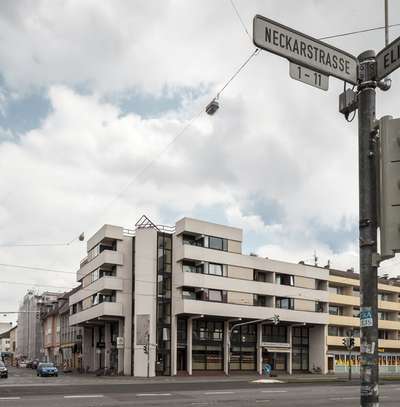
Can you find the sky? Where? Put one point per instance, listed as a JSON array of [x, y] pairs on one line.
[[94, 99]]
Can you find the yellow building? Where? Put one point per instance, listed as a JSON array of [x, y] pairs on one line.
[[344, 309]]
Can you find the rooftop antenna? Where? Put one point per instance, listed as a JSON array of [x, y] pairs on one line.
[[315, 258]]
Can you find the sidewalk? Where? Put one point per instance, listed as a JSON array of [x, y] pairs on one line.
[[18, 379]]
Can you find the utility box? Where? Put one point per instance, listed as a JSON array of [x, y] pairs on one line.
[[389, 190]]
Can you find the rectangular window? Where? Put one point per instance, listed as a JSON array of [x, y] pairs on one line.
[[356, 312], [284, 279], [335, 290], [217, 243], [284, 303], [333, 331], [335, 310], [356, 292], [215, 269], [215, 295]]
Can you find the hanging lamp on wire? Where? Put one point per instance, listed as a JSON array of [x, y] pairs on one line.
[[213, 106]]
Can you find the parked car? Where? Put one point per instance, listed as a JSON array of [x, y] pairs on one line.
[[35, 364], [22, 364], [46, 369], [29, 364], [3, 370]]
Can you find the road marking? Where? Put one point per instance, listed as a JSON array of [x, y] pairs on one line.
[[200, 404], [273, 391], [86, 396], [267, 381], [10, 398], [219, 392], [344, 398], [263, 401], [152, 394]]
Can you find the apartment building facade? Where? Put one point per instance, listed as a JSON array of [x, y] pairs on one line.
[[29, 328], [344, 309], [189, 297]]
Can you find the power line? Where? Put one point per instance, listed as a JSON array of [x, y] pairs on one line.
[[36, 268], [241, 20], [357, 32]]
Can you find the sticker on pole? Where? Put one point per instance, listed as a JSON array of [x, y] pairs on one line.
[[366, 317]]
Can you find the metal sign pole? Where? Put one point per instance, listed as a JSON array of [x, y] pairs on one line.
[[369, 370]]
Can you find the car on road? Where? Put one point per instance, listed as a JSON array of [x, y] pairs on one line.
[[35, 364], [3, 370], [46, 369]]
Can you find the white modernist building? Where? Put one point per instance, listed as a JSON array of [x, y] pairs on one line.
[[178, 300]]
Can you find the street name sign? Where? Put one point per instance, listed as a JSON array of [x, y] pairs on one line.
[[388, 59], [308, 76], [304, 50]]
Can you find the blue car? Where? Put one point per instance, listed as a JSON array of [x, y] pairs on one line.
[[46, 369]]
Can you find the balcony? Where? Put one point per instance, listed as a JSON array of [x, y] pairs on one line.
[[103, 283], [103, 310], [196, 307], [341, 320], [254, 287], [105, 257]]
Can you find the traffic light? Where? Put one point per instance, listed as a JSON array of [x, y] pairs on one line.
[[276, 319], [344, 341], [351, 342], [389, 186], [145, 349]]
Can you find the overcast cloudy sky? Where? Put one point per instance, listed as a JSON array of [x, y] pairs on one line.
[[92, 90]]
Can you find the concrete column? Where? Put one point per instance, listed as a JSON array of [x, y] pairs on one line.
[[95, 356], [127, 352], [107, 340], [317, 348], [259, 349], [189, 345], [121, 351], [174, 345], [86, 348], [226, 347], [289, 356]]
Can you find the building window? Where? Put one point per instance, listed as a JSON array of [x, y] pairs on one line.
[[243, 348], [300, 349], [274, 333], [215, 295], [263, 276], [356, 312], [319, 306], [335, 290], [284, 279], [382, 334], [383, 315], [215, 269], [217, 243], [335, 310], [260, 300], [193, 240], [285, 303], [356, 292], [333, 331]]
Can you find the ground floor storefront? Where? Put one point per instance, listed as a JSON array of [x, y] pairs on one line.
[[216, 345], [339, 361]]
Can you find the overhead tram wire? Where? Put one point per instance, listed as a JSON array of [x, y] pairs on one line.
[[241, 20], [357, 32], [36, 268]]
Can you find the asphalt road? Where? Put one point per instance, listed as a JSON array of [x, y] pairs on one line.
[[236, 393]]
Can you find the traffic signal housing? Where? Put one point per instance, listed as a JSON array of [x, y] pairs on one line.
[[389, 186], [145, 349]]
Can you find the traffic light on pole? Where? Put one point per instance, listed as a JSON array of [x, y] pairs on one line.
[[344, 341], [351, 342], [145, 349], [389, 186]]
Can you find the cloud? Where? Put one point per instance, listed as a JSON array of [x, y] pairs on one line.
[[94, 91]]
